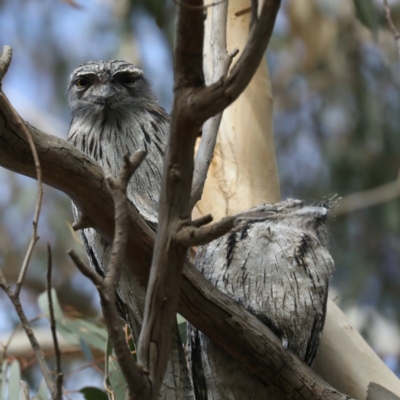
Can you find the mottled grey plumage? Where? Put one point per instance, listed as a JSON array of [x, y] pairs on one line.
[[114, 112], [276, 263]]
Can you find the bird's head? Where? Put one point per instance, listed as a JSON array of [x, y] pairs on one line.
[[108, 87]]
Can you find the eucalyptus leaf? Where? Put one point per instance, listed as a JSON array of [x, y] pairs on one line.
[[14, 387], [86, 350], [367, 13], [42, 393], [74, 330], [93, 393], [117, 380], [3, 379], [182, 327], [108, 352]]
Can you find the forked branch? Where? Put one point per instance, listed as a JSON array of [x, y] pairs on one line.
[[138, 383], [16, 121], [216, 97]]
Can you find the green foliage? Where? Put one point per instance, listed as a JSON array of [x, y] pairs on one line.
[[75, 331], [14, 386], [367, 13], [92, 393], [182, 327], [3, 377], [116, 379], [42, 393]]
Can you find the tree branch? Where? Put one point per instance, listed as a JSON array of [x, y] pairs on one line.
[[137, 380], [28, 330], [368, 198], [67, 169], [188, 114], [162, 293], [192, 235], [221, 61], [216, 97], [59, 374], [5, 61]]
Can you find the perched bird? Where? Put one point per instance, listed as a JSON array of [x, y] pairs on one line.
[[114, 112], [275, 262]]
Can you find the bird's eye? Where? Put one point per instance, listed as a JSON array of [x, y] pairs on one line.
[[127, 79], [82, 82]]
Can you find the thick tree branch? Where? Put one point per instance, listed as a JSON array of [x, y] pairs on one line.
[[188, 114], [219, 317], [162, 293]]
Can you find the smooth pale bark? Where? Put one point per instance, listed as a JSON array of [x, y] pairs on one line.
[[243, 171], [346, 361], [243, 174]]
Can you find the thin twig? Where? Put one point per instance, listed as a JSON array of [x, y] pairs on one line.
[[59, 374], [396, 33], [368, 198], [16, 330], [82, 222], [28, 330], [117, 187], [203, 220], [243, 11], [221, 60], [138, 383], [5, 61], [192, 235], [88, 272]]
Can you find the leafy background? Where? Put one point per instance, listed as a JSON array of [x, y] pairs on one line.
[[335, 73]]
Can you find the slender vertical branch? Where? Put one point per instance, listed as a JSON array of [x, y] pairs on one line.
[[221, 61], [190, 111], [162, 294], [5, 61], [59, 374], [214, 98]]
